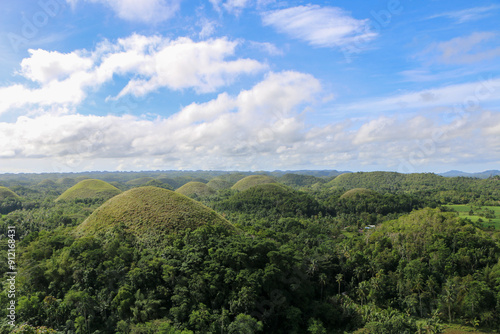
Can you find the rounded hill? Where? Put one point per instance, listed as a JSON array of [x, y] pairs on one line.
[[89, 189], [150, 213], [140, 181], [198, 189], [252, 181], [6, 193], [218, 184], [358, 192]]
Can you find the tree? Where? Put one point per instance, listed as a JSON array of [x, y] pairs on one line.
[[245, 324], [339, 278]]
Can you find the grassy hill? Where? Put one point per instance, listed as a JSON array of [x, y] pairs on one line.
[[6, 193], [358, 192], [140, 181], [89, 189], [150, 213], [66, 181], [192, 189], [252, 181], [218, 184]]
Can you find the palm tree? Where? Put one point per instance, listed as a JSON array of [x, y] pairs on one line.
[[339, 278]]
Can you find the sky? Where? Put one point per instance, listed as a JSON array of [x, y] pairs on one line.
[[126, 85]]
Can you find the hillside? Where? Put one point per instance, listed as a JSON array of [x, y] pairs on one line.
[[198, 189], [140, 181], [89, 189], [150, 213], [272, 200], [297, 180], [252, 181], [6, 193], [218, 184], [363, 192]]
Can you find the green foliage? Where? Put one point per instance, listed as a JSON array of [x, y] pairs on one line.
[[151, 260], [271, 200]]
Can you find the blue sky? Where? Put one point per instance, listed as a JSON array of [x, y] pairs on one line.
[[401, 85]]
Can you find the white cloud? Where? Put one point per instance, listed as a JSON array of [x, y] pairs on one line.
[[268, 48], [183, 64], [234, 7], [153, 62], [320, 26], [146, 11], [260, 128], [473, 48], [255, 122], [469, 14], [465, 97]]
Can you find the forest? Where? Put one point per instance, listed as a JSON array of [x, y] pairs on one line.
[[249, 252]]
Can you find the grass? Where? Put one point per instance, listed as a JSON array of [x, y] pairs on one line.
[[251, 181], [89, 189], [7, 193], [192, 189], [150, 213], [464, 209]]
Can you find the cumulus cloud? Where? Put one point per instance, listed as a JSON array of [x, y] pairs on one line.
[[320, 26], [153, 62], [264, 127], [146, 11]]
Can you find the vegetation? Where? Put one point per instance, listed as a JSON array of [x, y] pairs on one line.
[[311, 253], [150, 214], [6, 193], [219, 184], [195, 189], [89, 189], [251, 181]]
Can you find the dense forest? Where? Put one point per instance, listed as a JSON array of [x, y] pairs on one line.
[[219, 252]]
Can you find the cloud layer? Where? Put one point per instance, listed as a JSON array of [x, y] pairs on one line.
[[320, 26], [152, 63], [146, 11], [264, 127]]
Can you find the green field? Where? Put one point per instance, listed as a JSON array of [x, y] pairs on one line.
[[463, 210]]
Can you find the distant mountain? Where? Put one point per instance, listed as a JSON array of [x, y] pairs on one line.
[[482, 175]]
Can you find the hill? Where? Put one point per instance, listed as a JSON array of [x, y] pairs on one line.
[[390, 181], [252, 181], [140, 181], [298, 180], [150, 213], [198, 189], [363, 192], [89, 189], [219, 183], [271, 200], [481, 175], [6, 193]]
